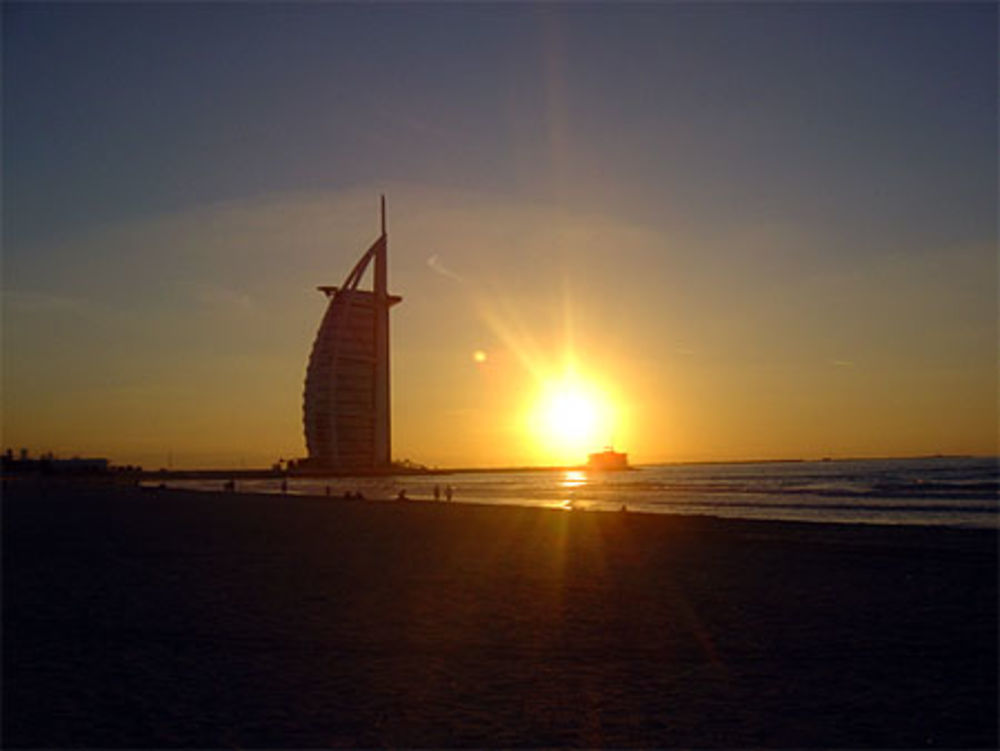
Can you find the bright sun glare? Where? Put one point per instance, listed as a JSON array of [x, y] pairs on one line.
[[569, 420], [569, 415]]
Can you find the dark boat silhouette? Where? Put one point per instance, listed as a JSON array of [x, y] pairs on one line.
[[608, 460]]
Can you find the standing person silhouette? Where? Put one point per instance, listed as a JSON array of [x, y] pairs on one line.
[[447, 492], [437, 492]]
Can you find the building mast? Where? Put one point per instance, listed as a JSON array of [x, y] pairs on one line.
[[383, 434]]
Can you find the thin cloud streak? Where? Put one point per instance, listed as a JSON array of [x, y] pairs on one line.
[[434, 263]]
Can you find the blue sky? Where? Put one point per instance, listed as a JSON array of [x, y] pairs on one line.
[[786, 178]]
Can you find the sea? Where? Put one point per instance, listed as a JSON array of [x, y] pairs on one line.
[[936, 491]]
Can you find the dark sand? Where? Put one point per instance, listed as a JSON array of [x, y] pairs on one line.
[[159, 618]]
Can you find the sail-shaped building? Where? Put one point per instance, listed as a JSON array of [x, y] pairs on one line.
[[346, 410]]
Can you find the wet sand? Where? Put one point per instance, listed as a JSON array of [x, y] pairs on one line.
[[150, 618]]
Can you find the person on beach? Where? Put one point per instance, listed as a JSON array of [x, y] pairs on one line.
[[437, 492], [401, 496], [447, 493], [284, 485]]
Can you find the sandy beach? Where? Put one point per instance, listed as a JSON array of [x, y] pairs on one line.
[[153, 618]]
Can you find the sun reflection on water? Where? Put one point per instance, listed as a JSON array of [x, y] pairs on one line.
[[574, 478]]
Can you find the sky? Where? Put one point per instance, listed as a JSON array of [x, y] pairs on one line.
[[729, 231]]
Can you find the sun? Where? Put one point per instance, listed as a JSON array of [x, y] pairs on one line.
[[569, 415], [569, 419]]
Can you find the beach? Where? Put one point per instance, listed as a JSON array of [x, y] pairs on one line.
[[146, 618]]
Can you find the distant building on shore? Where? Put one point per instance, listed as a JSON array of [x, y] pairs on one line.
[[608, 460], [346, 410], [49, 464]]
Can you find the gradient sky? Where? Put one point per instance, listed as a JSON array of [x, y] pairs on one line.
[[759, 230]]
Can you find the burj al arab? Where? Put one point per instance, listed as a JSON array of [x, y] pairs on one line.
[[346, 409]]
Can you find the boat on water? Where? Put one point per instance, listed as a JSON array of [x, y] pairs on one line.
[[606, 460]]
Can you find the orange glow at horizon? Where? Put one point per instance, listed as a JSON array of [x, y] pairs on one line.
[[678, 379]]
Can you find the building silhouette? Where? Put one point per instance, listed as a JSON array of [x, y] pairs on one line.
[[346, 410]]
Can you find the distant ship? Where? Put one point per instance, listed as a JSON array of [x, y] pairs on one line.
[[609, 459]]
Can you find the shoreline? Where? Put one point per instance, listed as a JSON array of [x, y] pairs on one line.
[[174, 618], [848, 534], [763, 513]]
